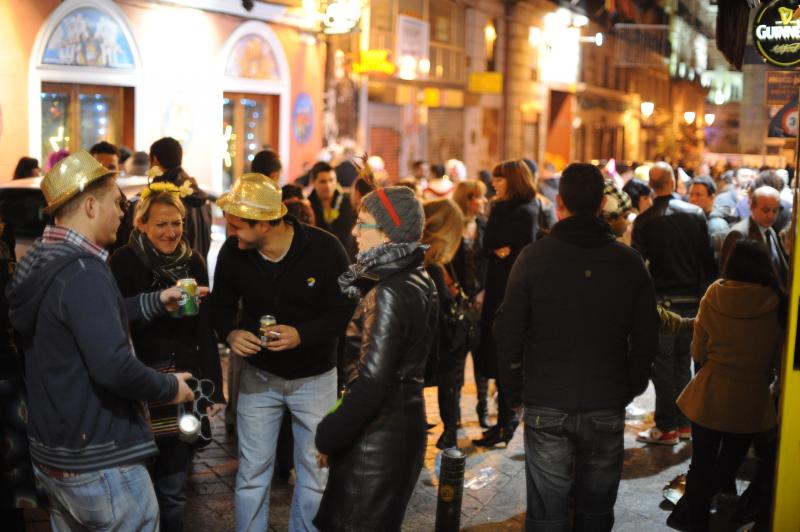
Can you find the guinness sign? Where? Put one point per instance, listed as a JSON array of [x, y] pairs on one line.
[[776, 32]]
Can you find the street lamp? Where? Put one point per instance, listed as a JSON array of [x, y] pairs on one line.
[[689, 117], [709, 118], [340, 16], [647, 109]]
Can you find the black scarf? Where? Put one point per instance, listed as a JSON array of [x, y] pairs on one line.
[[167, 269], [380, 254]]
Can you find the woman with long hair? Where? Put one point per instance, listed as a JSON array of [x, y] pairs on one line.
[[373, 440], [512, 225], [443, 227], [156, 257], [737, 338], [469, 265]]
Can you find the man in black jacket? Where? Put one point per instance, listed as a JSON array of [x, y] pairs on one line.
[[333, 210], [576, 335], [672, 236], [277, 266]]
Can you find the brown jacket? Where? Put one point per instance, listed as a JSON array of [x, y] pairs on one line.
[[737, 338]]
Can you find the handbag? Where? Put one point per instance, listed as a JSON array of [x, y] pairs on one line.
[[458, 319]]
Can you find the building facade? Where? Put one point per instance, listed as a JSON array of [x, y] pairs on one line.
[[224, 81]]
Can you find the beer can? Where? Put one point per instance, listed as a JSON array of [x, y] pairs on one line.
[[264, 324], [188, 305]]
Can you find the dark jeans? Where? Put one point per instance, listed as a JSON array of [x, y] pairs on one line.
[[671, 372], [170, 469], [482, 389], [578, 453], [716, 457], [449, 394]]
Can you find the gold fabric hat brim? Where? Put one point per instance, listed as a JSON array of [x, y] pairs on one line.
[[69, 177], [230, 205]]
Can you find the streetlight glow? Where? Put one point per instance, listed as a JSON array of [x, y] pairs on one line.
[[689, 117], [709, 118], [647, 109]]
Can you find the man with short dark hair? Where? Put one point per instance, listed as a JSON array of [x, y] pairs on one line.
[[88, 427], [702, 192], [275, 265], [106, 154], [268, 163], [672, 236], [333, 210], [572, 367]]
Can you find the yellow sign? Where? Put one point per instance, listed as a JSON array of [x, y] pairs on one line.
[[486, 82], [375, 62]]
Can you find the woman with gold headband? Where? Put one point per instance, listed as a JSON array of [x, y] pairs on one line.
[[155, 257]]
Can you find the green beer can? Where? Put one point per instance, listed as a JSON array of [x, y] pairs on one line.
[[188, 305]]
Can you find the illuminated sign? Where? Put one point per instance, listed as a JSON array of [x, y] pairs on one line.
[[485, 82], [776, 32], [375, 62]]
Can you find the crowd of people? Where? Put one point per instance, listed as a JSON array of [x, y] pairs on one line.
[[342, 295]]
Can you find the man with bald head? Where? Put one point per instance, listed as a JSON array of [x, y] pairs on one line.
[[672, 236], [765, 203]]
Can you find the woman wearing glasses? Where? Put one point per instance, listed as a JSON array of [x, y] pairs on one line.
[[374, 439], [156, 257]]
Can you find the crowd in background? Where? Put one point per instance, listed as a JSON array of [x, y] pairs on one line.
[[509, 266]]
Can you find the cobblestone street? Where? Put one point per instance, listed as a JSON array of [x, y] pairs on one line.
[[500, 505]]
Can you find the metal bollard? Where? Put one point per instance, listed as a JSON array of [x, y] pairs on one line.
[[451, 488]]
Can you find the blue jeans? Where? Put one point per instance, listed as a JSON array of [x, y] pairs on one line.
[[672, 372], [577, 453], [262, 400], [119, 499]]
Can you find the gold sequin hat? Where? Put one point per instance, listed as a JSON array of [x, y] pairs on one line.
[[70, 177], [253, 197]]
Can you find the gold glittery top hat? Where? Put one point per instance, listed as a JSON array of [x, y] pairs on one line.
[[253, 197], [70, 177]]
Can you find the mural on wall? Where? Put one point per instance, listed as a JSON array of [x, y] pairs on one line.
[[88, 37], [252, 57], [302, 118]]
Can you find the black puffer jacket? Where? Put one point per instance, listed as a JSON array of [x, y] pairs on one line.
[[376, 438]]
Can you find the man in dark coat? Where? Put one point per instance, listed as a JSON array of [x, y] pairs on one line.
[[333, 210], [573, 367], [672, 236], [276, 266], [764, 207]]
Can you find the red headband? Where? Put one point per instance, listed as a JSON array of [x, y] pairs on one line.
[[388, 204]]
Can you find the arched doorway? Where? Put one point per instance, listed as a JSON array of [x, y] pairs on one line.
[[255, 111], [84, 76]]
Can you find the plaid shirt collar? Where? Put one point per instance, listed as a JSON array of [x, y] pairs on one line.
[[55, 233]]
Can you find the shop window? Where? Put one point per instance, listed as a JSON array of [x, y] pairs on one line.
[[78, 116], [412, 8], [447, 41], [249, 125], [381, 15]]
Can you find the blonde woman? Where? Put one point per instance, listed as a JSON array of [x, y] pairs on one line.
[[156, 256], [444, 225], [469, 265]]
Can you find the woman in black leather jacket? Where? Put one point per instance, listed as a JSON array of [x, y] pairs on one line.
[[374, 438]]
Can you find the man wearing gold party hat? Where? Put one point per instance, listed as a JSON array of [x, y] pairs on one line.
[[88, 427], [285, 274]]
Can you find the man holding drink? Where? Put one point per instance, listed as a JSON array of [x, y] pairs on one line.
[[284, 273]]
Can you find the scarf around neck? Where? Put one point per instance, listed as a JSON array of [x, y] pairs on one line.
[[167, 269], [366, 260]]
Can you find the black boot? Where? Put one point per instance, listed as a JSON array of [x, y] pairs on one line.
[[447, 440], [503, 435]]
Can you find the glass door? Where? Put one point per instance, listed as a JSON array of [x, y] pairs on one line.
[[249, 125]]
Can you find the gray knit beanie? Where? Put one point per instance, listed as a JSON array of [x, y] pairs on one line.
[[398, 213]]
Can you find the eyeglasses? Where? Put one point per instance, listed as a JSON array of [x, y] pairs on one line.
[[203, 390], [364, 225]]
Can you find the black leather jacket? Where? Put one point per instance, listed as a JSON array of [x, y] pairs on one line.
[[376, 437], [672, 236]]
